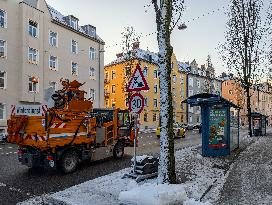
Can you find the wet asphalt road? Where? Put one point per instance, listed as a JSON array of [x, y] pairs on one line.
[[18, 183]]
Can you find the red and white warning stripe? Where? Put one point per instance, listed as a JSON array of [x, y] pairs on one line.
[[38, 138], [44, 109], [58, 125], [13, 109]]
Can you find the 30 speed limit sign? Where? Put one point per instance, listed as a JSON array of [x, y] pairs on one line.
[[136, 103]]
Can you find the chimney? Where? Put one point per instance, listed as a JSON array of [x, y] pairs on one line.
[[119, 55], [136, 45]]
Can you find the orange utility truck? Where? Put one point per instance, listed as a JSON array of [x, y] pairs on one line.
[[69, 132]]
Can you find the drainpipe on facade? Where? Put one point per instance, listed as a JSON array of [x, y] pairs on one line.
[[99, 76]]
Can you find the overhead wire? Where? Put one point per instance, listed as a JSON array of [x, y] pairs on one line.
[[186, 22]]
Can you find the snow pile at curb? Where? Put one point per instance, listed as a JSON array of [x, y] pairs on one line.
[[154, 194]]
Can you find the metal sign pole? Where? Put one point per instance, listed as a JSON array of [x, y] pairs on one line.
[[135, 140]]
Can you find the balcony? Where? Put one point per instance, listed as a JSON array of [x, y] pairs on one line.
[[106, 81], [107, 94]]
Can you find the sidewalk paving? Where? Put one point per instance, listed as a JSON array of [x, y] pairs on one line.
[[250, 178]]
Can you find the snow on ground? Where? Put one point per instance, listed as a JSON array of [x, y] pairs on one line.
[[201, 180], [154, 194]]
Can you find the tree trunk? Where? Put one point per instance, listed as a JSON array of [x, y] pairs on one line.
[[167, 172], [249, 111]]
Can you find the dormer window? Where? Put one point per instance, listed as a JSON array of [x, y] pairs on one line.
[[73, 23]]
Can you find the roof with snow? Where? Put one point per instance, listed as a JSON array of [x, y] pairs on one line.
[[61, 19], [207, 98], [138, 53], [183, 67]]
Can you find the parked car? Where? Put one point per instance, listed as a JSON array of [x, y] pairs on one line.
[[179, 131], [197, 126], [184, 125], [190, 127]]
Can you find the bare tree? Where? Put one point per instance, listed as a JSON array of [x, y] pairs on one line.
[[242, 50], [129, 39], [168, 14]]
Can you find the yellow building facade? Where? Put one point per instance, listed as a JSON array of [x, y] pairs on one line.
[[118, 73]]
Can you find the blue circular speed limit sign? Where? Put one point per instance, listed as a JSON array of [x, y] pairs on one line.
[[136, 103]]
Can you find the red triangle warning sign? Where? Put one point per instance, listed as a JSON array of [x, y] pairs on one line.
[[137, 82]]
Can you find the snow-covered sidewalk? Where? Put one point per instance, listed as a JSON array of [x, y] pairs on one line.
[[250, 178], [201, 179]]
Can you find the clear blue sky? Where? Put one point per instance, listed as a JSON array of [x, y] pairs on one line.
[[110, 17]]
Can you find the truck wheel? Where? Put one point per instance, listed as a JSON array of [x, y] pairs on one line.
[[118, 150], [69, 162]]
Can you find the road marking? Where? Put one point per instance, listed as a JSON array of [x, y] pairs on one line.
[[1, 148], [149, 142], [143, 144], [10, 147], [8, 153]]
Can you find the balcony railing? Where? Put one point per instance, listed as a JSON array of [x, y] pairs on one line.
[[107, 94]]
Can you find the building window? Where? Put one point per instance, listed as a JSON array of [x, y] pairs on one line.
[[74, 68], [107, 103], [107, 76], [181, 80], [197, 119], [126, 102], [33, 28], [113, 88], [190, 119], [113, 74], [3, 79], [92, 73], [32, 86], [53, 85], [2, 111], [33, 55], [3, 19], [198, 83], [145, 117], [92, 94], [127, 71], [53, 38], [53, 62], [174, 78], [92, 53], [113, 103], [155, 103], [155, 88], [73, 23], [191, 82], [154, 117], [3, 48], [74, 47], [145, 71], [230, 92], [146, 102], [191, 92], [155, 74]]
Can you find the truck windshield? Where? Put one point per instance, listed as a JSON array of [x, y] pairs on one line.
[[123, 119]]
